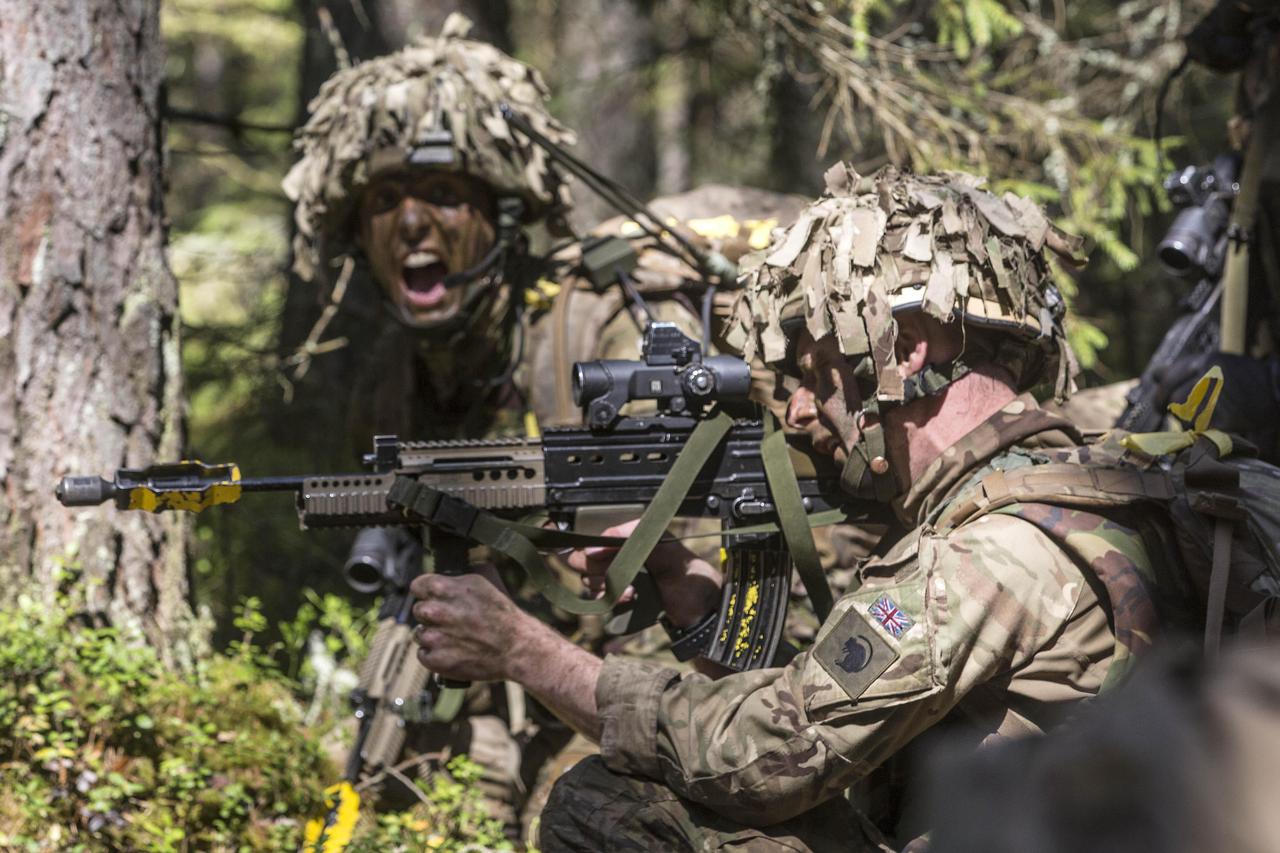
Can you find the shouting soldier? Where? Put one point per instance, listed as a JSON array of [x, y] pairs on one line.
[[409, 164]]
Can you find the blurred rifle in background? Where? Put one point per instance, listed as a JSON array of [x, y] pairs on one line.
[[1194, 248]]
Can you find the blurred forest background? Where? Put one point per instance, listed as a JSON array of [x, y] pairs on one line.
[[118, 730], [1053, 100]]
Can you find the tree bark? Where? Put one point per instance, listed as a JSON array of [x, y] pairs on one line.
[[604, 84], [90, 371]]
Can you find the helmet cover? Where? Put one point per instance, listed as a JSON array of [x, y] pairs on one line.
[[435, 103], [895, 241]]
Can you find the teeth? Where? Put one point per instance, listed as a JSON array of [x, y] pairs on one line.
[[421, 259]]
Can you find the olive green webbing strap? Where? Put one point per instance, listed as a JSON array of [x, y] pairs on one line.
[[421, 501], [522, 543], [547, 539], [791, 515], [1219, 574], [1235, 275], [1059, 483]]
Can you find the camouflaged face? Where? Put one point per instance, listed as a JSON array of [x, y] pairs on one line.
[[395, 104], [895, 241]]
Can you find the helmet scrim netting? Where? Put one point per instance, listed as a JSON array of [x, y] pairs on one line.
[[397, 102], [894, 240]]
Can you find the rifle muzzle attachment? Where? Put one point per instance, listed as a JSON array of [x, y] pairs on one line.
[[190, 486], [84, 491]]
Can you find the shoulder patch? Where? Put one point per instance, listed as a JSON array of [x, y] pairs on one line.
[[854, 654]]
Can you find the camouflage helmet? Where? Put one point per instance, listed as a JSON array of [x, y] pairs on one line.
[[892, 241], [435, 103]]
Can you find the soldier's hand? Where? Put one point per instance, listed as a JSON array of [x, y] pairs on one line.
[[466, 624], [687, 584]]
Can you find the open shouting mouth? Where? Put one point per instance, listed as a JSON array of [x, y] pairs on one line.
[[423, 275]]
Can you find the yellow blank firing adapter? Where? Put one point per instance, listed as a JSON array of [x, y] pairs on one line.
[[190, 486]]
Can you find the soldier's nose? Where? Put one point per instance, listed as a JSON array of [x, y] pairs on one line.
[[801, 408], [415, 220]]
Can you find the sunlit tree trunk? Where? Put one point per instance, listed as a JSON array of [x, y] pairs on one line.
[[604, 83], [673, 158], [90, 375]]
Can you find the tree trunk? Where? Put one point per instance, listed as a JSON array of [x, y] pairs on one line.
[[674, 161], [90, 374], [402, 21], [604, 85]]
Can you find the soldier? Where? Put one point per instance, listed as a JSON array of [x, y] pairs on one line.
[[916, 313], [409, 164]]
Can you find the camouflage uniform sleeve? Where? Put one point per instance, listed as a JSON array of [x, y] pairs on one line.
[[894, 657]]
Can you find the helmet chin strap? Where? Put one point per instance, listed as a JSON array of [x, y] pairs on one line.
[[480, 270], [866, 474]]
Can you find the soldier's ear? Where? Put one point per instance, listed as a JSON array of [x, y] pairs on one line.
[[912, 347]]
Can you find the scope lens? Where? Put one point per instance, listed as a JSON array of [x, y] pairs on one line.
[[1185, 246], [591, 379], [1175, 258]]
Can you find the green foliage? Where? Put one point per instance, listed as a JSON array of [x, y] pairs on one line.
[[966, 24], [451, 818], [1048, 101], [102, 748]]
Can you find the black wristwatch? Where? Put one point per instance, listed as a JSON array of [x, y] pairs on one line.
[[693, 641]]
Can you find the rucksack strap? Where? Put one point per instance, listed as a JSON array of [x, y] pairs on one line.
[[1083, 486], [1225, 512], [1219, 574], [1058, 483]]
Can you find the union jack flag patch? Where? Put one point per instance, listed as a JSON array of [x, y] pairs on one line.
[[890, 616]]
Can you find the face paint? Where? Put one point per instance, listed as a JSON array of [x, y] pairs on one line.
[[416, 227], [827, 405]]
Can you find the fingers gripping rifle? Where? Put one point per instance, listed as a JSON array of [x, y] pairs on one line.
[[706, 452]]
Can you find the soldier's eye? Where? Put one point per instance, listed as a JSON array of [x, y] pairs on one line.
[[445, 196], [384, 197]]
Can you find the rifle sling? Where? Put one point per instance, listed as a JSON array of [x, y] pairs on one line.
[[791, 516], [438, 510], [550, 539], [521, 542]]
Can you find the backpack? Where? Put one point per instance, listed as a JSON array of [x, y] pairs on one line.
[[1221, 504]]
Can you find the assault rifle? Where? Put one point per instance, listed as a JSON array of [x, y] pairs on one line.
[[1195, 248], [705, 452]]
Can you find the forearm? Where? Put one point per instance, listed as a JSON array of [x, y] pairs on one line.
[[559, 674]]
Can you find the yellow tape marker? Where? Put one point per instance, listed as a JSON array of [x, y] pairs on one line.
[[333, 833], [1196, 412], [225, 492]]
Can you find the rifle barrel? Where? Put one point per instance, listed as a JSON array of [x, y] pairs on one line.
[[272, 484]]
